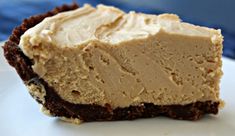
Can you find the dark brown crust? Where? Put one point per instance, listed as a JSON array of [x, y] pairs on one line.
[[59, 107]]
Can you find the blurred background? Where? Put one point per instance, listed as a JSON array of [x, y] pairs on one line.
[[211, 13]]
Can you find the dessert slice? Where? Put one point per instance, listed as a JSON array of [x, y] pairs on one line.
[[94, 64]]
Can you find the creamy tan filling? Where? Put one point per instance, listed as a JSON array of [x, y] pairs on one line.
[[106, 56]]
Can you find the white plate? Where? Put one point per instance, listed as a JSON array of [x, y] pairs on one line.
[[20, 116]]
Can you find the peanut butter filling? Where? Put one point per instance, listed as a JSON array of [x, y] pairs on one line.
[[103, 55]]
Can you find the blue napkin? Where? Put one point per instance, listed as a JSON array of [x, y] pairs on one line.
[[14, 11]]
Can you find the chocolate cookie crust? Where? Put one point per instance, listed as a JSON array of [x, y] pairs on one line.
[[85, 112]]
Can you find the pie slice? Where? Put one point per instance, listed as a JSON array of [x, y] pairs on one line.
[[100, 63]]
